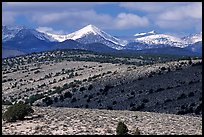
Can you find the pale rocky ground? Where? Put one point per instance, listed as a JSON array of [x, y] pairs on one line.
[[86, 72], [75, 121], [78, 121]]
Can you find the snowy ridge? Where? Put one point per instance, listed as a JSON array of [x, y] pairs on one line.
[[9, 32], [145, 33], [42, 36], [91, 34], [90, 29], [162, 39], [193, 38]]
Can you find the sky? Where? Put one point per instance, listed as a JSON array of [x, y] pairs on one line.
[[115, 18]]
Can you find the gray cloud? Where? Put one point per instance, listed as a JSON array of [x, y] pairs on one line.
[[170, 15], [151, 7], [50, 30], [74, 14], [121, 21], [193, 10], [8, 18], [124, 20]]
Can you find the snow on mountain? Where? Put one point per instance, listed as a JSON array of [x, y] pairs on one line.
[[91, 29], [145, 34], [54, 37], [95, 34], [152, 38], [193, 38], [9, 32], [42, 36], [14, 35]]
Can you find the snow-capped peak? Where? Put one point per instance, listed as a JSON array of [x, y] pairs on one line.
[[84, 31], [89, 29], [75, 35]]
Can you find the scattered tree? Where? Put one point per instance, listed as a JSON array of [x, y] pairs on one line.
[[17, 112], [121, 129]]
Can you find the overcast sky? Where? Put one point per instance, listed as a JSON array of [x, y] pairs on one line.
[[115, 18]]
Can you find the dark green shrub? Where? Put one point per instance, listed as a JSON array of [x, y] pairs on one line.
[[132, 104], [121, 129], [107, 87], [73, 100], [167, 100], [90, 87], [85, 96], [33, 98], [145, 100], [150, 91], [82, 89], [198, 109], [6, 102], [55, 99], [61, 98], [86, 106], [191, 94], [137, 131], [140, 107], [114, 102], [132, 93], [181, 112], [133, 108], [190, 62], [163, 68], [159, 89], [109, 107], [140, 78], [48, 101], [182, 96], [17, 112], [67, 95]]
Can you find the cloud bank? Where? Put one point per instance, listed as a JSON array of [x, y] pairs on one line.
[[177, 16]]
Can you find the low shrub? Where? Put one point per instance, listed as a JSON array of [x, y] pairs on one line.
[[121, 129], [17, 112], [137, 131]]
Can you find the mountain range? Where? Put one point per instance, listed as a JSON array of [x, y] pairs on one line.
[[18, 40]]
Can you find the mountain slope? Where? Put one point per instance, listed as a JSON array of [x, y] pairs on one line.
[[195, 47], [28, 40], [193, 38], [168, 51], [71, 44], [9, 32]]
